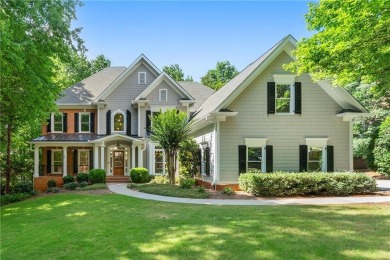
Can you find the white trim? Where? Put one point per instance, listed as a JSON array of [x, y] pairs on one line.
[[316, 141], [36, 161], [320, 143], [118, 111], [89, 122], [160, 91], [140, 81], [292, 99], [350, 157], [286, 79], [114, 137], [52, 122], [256, 142]]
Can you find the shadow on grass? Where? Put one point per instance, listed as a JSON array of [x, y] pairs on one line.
[[115, 226]]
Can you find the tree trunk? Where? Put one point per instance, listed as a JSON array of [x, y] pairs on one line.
[[8, 160], [171, 165]]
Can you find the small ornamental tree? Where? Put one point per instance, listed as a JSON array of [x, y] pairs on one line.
[[170, 129], [189, 158]]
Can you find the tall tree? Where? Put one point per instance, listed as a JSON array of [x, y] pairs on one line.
[[33, 35], [351, 43], [218, 77], [175, 72], [170, 129]]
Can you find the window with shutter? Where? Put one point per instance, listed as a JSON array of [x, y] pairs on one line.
[[315, 157], [85, 122], [57, 122], [284, 95]]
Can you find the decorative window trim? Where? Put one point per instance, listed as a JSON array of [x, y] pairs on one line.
[[318, 143], [89, 122], [79, 166], [285, 79], [140, 81], [53, 123], [160, 91], [257, 143], [53, 164], [118, 111]]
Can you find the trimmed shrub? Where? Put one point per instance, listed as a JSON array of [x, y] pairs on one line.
[[228, 191], [310, 183], [97, 176], [382, 148], [51, 183], [82, 177], [139, 175], [68, 179], [186, 183], [23, 187], [66, 186], [83, 184], [160, 179], [11, 198], [73, 185], [201, 189]]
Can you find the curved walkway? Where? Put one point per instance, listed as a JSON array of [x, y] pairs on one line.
[[121, 188]]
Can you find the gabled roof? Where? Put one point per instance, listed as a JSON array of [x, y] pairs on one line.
[[198, 91], [142, 59], [224, 96], [85, 91], [165, 77]]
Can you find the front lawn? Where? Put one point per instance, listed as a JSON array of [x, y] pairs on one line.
[[74, 226], [170, 190]]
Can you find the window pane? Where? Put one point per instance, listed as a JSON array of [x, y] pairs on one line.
[[58, 118], [313, 166], [158, 168], [254, 166], [57, 122], [84, 157], [118, 122], [57, 156], [283, 105], [315, 153], [158, 156], [84, 118], [283, 91], [254, 154]]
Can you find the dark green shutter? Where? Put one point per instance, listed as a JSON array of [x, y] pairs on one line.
[[48, 127], [65, 122], [128, 123], [303, 158], [241, 159], [207, 151], [90, 160], [108, 122], [298, 98], [330, 158], [148, 122], [271, 97], [76, 122], [48, 166], [269, 165], [200, 159], [92, 122], [75, 162]]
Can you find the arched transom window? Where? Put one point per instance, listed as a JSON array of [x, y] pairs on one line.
[[119, 124]]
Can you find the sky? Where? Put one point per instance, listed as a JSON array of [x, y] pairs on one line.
[[193, 34]]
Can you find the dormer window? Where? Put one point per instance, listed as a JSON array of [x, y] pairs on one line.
[[119, 124], [57, 122], [284, 95], [142, 77], [163, 95]]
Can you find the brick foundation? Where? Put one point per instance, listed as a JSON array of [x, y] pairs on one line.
[[40, 183], [219, 187]]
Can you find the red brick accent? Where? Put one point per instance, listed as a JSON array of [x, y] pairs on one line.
[[40, 183], [219, 187]]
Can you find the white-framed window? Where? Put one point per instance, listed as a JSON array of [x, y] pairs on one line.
[[256, 154], [57, 122], [142, 77], [83, 161], [118, 121], [56, 167], [284, 94], [159, 160], [316, 154], [85, 122], [163, 95]]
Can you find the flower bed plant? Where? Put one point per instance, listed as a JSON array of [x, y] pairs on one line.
[[309, 183]]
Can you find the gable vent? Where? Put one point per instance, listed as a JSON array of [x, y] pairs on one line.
[[141, 77]]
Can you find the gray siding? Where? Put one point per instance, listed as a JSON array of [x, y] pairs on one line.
[[285, 132], [120, 98]]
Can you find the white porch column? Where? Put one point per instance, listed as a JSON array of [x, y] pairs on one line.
[[36, 161], [64, 160], [140, 161], [102, 164], [96, 156], [127, 173], [350, 146], [132, 155]]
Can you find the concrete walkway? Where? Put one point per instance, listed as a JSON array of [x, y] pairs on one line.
[[383, 184], [121, 188]]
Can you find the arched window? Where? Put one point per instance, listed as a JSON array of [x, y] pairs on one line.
[[119, 122]]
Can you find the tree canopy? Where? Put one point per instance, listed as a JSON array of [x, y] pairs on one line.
[[33, 34], [176, 73], [351, 43], [218, 77]]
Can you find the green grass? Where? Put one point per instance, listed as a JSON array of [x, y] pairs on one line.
[[170, 190], [74, 226], [96, 186]]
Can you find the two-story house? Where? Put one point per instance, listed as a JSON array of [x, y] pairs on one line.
[[265, 119]]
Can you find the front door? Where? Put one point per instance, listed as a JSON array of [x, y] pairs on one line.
[[119, 163]]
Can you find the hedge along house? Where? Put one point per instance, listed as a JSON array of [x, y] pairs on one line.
[[103, 122], [267, 119]]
